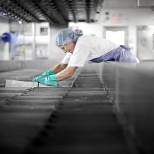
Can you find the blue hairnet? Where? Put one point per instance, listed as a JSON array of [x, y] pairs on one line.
[[67, 35]]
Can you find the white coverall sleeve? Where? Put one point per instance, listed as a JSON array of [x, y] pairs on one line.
[[79, 56], [66, 59]]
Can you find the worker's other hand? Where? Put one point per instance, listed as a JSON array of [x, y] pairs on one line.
[[48, 80], [45, 74]]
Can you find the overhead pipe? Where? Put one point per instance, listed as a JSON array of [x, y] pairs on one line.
[[14, 10], [60, 17], [70, 9]]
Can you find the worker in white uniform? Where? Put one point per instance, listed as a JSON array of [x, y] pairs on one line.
[[80, 48]]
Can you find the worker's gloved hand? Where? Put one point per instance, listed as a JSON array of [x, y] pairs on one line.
[[48, 80], [45, 74]]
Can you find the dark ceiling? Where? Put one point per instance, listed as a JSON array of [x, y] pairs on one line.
[[53, 11]]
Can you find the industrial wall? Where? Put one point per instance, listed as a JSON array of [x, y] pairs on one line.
[[37, 41], [131, 18]]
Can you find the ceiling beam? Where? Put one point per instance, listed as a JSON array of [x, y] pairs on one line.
[[52, 11]]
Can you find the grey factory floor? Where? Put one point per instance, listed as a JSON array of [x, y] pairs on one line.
[[73, 118]]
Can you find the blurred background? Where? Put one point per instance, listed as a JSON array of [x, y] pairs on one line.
[[35, 24]]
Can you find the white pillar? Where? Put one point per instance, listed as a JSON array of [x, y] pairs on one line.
[[132, 41], [34, 41]]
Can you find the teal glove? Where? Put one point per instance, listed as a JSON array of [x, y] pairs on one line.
[[48, 80], [45, 74]]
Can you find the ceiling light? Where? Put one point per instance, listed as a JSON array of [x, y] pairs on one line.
[[20, 22]]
